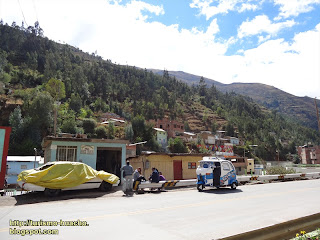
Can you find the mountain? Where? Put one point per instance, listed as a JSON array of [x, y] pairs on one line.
[[301, 109], [36, 73]]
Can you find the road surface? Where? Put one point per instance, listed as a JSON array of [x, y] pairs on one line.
[[175, 214]]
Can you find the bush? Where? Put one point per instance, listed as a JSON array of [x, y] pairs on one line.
[[69, 126], [279, 170], [101, 132], [89, 125], [177, 146]]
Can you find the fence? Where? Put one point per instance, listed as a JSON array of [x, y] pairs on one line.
[[241, 179]]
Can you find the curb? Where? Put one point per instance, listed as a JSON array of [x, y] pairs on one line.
[[286, 230]]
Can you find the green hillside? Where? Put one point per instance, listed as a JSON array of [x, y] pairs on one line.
[[301, 109], [38, 75]]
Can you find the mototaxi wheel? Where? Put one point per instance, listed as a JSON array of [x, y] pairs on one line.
[[233, 186]]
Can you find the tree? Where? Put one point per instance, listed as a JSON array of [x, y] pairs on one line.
[[69, 126], [101, 132], [41, 113], [177, 146], [230, 129], [202, 87], [89, 125], [56, 89], [129, 132], [138, 125], [75, 103], [111, 130], [17, 125]]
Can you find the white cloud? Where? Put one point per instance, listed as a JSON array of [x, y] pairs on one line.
[[213, 28], [262, 24], [248, 7], [293, 8], [224, 6], [210, 8], [121, 33], [293, 68]]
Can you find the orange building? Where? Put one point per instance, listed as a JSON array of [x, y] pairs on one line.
[[172, 127]]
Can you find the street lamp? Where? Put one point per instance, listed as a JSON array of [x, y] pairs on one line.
[[35, 157]]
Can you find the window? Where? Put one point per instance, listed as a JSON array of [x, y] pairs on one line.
[[225, 166], [192, 165], [160, 125], [23, 166], [66, 153]]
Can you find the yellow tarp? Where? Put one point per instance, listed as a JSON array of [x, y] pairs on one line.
[[64, 175]]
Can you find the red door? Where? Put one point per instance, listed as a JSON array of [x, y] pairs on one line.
[[177, 169]]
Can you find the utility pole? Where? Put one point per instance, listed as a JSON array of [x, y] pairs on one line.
[[35, 157], [318, 119]]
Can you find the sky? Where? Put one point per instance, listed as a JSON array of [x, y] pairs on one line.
[[274, 42]]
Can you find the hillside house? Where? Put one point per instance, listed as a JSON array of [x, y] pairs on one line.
[[208, 137], [108, 115], [172, 127], [162, 137], [189, 137]]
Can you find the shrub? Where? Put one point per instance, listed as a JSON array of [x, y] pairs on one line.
[[101, 132], [279, 170]]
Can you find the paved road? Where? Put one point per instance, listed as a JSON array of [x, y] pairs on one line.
[[175, 214]]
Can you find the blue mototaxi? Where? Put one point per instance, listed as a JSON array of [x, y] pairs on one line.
[[216, 172]]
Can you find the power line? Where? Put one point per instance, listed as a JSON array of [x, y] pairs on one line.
[[23, 13], [35, 9]]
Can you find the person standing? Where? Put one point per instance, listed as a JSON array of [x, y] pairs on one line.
[[127, 175]]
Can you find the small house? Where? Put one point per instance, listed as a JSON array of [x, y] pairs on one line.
[[100, 154], [174, 166]]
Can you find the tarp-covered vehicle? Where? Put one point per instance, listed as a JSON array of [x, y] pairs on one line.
[[56, 176], [216, 172]]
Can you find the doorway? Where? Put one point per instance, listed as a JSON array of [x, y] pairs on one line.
[[109, 160], [177, 169]]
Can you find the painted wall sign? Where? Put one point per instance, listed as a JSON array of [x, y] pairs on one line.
[[86, 149]]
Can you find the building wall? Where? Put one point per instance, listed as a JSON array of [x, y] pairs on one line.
[[309, 155], [15, 168], [250, 166], [164, 164], [90, 158], [162, 138]]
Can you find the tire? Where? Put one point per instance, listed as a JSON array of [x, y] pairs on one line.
[[105, 186], [200, 187], [233, 186], [52, 192]]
